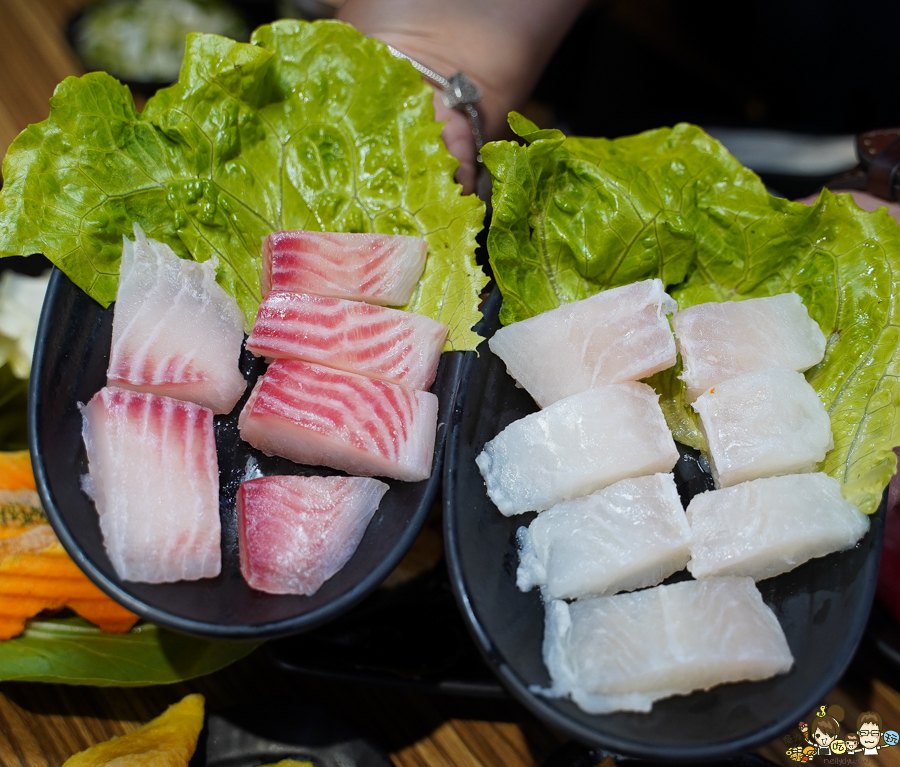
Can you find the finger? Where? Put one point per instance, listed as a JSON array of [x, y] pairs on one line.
[[460, 141]]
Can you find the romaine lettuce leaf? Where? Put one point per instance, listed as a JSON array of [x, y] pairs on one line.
[[574, 216], [72, 651], [308, 126]]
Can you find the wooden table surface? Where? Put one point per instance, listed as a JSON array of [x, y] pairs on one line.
[[42, 724]]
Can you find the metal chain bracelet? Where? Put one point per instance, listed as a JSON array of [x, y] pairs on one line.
[[459, 92]]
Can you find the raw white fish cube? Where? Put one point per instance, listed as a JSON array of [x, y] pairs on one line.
[[722, 341], [576, 446], [763, 424], [617, 335], [623, 652], [629, 535], [769, 526]]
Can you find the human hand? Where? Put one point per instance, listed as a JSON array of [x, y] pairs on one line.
[[501, 45]]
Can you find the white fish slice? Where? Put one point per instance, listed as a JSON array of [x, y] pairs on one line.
[[623, 652], [763, 424], [390, 344], [769, 526], [617, 335], [627, 536], [297, 532], [720, 341], [176, 332], [381, 269], [154, 478], [324, 417], [576, 446]]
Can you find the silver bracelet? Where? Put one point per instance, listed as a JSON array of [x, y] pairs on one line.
[[459, 92]]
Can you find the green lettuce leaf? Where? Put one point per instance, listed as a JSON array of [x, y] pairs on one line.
[[575, 216], [72, 651], [308, 126]]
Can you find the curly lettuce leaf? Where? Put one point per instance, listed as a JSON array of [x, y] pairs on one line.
[[72, 651], [309, 126], [575, 216]]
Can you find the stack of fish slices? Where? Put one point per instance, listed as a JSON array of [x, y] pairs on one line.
[[623, 528], [152, 465], [766, 431], [345, 390]]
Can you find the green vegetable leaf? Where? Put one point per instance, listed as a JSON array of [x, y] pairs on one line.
[[72, 651], [309, 126], [845, 265], [575, 216]]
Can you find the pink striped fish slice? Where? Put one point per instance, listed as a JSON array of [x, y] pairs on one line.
[[316, 415], [176, 332], [154, 477], [294, 533], [388, 344], [381, 269]]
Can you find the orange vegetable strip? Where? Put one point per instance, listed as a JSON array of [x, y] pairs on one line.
[[49, 588], [15, 470], [10, 627], [27, 606]]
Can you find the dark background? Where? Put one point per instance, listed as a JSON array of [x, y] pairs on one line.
[[816, 66]]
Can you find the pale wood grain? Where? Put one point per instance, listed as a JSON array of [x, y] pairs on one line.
[[44, 724]]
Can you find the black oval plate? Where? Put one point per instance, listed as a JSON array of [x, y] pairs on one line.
[[70, 360], [822, 605]]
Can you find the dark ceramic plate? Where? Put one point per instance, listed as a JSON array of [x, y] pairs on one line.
[[70, 360], [822, 605]]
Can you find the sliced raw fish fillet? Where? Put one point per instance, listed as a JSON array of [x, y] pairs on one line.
[[324, 417], [389, 344], [154, 478], [381, 269], [722, 341], [294, 533], [769, 526], [629, 535], [617, 335], [623, 652], [576, 446], [176, 332], [763, 424]]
